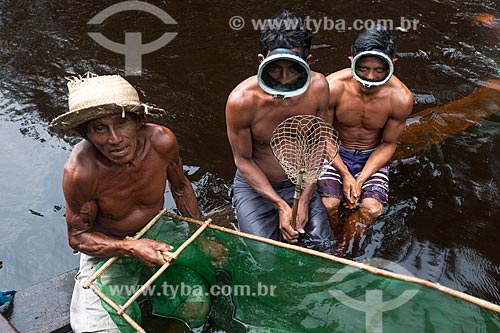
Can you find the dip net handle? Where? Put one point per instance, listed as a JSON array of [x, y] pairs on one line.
[[296, 198], [116, 307]]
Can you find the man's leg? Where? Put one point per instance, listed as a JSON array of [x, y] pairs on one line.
[[330, 190], [355, 226], [332, 210], [374, 193], [86, 311], [318, 229], [255, 214]]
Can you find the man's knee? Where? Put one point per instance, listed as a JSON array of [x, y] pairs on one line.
[[371, 208], [331, 205]]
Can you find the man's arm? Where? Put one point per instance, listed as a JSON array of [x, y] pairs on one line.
[[321, 94], [238, 122], [401, 104], [180, 186], [336, 82], [79, 186]]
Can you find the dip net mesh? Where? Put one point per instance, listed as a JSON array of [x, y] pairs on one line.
[[303, 145], [264, 288]]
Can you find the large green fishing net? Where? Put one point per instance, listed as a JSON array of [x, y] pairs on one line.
[[257, 287], [181, 291]]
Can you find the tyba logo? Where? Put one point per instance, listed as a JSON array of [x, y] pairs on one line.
[[373, 306], [133, 49]]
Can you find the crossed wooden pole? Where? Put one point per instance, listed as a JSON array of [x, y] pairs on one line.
[[169, 258]]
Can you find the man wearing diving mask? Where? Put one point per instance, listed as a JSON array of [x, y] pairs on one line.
[[283, 87], [370, 107]]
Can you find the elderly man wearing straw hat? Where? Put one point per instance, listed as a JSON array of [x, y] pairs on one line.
[[114, 182]]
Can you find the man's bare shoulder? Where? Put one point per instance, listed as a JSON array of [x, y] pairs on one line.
[[82, 157], [162, 139], [80, 170], [337, 83], [400, 92], [318, 81], [339, 77], [244, 94], [401, 97]]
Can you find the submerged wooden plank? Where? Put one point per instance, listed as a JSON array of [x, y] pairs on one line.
[[43, 308], [436, 124]]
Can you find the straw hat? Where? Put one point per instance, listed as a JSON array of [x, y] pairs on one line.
[[91, 97]]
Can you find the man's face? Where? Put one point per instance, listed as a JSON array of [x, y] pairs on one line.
[[284, 71], [372, 68], [115, 137]]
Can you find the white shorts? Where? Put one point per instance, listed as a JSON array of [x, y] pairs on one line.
[[86, 312]]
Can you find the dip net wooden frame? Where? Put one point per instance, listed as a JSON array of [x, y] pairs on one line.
[[169, 258]]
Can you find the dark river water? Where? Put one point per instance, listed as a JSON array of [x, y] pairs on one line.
[[442, 222]]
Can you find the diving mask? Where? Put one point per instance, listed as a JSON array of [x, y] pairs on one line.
[[368, 83], [283, 73]]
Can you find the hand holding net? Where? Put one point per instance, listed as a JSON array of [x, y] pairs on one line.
[[302, 145]]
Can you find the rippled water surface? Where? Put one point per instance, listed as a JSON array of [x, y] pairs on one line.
[[442, 220]]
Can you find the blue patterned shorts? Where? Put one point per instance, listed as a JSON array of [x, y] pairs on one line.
[[375, 187]]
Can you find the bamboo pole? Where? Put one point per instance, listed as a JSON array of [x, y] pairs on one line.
[[108, 263], [160, 271], [115, 306], [374, 270]]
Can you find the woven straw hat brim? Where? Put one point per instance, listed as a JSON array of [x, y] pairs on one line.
[[92, 96], [69, 122]]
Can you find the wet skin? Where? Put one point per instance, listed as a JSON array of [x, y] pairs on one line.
[[364, 118], [114, 183], [251, 117]]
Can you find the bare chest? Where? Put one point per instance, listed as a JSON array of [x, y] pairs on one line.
[[132, 187], [269, 116], [369, 115]]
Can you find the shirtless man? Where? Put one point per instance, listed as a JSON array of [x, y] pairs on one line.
[[370, 108], [114, 182], [262, 194]]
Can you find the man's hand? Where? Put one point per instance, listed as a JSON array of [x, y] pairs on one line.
[[302, 217], [350, 190], [285, 217], [149, 251], [6, 296]]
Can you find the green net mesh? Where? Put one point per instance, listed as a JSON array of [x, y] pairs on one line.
[[182, 291], [265, 288]]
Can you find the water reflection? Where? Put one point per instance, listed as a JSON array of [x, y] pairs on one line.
[[441, 227], [444, 201]]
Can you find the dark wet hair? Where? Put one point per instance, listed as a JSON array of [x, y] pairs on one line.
[[285, 30], [376, 38]]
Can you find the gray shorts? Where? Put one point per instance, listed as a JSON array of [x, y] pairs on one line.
[[86, 312], [257, 215]]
